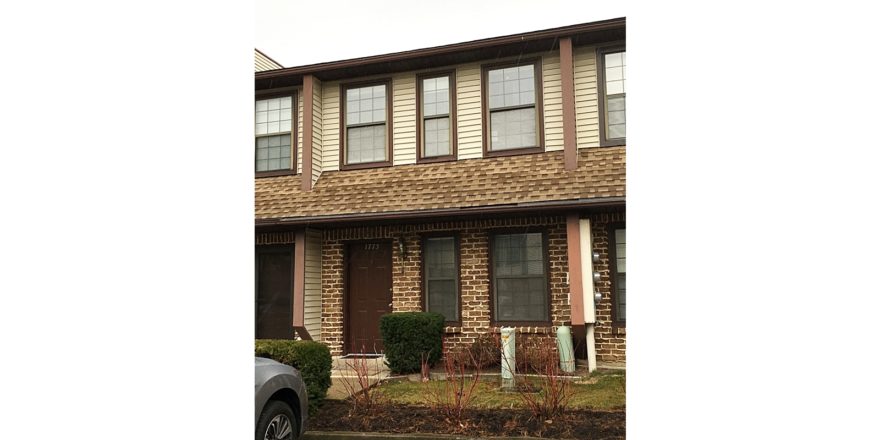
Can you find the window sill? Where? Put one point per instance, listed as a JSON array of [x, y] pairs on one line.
[[259, 174], [363, 166], [612, 142], [450, 158], [514, 152]]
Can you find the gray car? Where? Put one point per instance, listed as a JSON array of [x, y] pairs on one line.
[[282, 404]]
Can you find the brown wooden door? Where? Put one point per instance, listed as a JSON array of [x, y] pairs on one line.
[[369, 294], [274, 313]]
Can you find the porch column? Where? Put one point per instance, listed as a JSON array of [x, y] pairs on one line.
[[569, 132], [575, 283], [299, 283]]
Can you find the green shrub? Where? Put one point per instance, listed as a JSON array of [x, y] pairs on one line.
[[312, 359], [409, 336]]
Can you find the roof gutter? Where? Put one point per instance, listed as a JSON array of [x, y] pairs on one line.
[[440, 50], [452, 212]]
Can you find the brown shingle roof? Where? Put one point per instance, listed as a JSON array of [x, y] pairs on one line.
[[510, 180]]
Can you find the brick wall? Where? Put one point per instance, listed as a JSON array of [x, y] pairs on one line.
[[610, 339], [474, 258]]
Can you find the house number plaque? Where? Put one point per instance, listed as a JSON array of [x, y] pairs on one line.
[[371, 247]]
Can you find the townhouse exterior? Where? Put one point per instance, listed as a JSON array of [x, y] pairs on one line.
[[484, 180]]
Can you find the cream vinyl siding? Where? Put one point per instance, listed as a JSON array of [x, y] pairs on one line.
[[262, 63], [586, 97], [330, 126], [312, 290], [404, 118], [469, 108], [299, 131], [317, 131], [552, 89]]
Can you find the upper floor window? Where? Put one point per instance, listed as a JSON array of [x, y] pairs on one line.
[[519, 277], [612, 83], [618, 274], [436, 110], [513, 107], [365, 136], [274, 134]]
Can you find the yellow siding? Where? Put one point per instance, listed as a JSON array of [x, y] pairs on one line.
[[586, 98], [262, 63], [312, 306], [469, 108], [552, 89], [317, 132], [299, 131], [404, 118], [330, 126]]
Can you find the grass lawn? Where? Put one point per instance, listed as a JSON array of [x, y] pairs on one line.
[[608, 392]]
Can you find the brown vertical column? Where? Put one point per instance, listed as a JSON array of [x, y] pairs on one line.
[[575, 284], [569, 132], [308, 119], [299, 282]]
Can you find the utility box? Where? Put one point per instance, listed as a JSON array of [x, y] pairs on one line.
[[508, 358]]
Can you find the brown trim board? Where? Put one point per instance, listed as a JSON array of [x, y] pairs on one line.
[[569, 130], [611, 24], [308, 121], [451, 212]]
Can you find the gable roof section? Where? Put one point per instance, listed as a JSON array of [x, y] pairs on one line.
[[423, 189]]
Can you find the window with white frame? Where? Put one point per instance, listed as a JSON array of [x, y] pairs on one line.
[[613, 72], [513, 114], [366, 114], [273, 131], [435, 104]]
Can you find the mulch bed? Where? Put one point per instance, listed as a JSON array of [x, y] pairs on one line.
[[575, 424]]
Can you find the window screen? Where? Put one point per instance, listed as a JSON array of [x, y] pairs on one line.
[[441, 277], [519, 278]]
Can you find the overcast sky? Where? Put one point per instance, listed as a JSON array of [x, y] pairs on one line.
[[296, 33]]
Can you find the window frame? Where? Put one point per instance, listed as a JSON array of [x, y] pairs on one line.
[[545, 242], [294, 130], [600, 78], [423, 274], [612, 270], [343, 128], [420, 120], [539, 107], [274, 249]]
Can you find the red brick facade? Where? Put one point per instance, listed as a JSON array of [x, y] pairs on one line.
[[474, 260], [610, 338]]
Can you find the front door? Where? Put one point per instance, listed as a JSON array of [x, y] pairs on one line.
[[369, 295]]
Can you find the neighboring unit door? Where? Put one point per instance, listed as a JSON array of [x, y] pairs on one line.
[[369, 295], [274, 312]]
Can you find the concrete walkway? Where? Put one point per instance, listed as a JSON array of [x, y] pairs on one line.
[[345, 371]]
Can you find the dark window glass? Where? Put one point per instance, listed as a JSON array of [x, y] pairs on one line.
[[441, 277], [520, 281], [274, 314], [620, 274]]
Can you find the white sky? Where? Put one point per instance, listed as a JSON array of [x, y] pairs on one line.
[[307, 32]]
